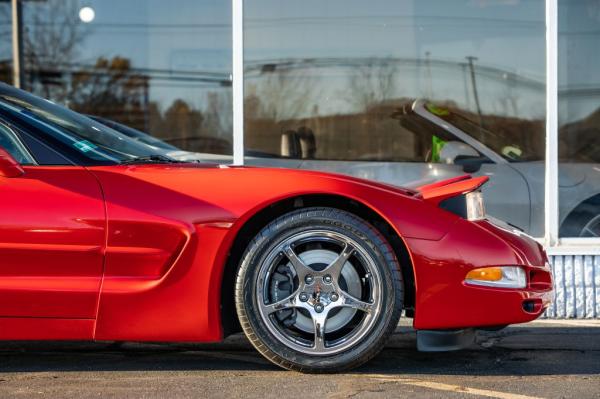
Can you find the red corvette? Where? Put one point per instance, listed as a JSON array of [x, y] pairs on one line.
[[102, 238]]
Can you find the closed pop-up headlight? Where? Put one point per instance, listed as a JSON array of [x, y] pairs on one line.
[[460, 195], [469, 206], [475, 207]]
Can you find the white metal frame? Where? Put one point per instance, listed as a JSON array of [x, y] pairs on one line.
[[237, 23], [551, 182], [554, 244], [575, 246], [551, 177]]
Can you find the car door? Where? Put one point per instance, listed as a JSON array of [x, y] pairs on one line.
[[52, 238]]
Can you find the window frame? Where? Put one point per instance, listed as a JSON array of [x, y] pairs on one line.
[[552, 241], [551, 209]]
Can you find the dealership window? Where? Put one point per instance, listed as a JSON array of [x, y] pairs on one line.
[[5, 43], [399, 91], [402, 92], [579, 118], [160, 67]]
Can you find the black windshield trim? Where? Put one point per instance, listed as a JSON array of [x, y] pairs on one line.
[[66, 151]]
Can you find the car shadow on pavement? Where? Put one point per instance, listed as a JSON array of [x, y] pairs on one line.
[[513, 351]]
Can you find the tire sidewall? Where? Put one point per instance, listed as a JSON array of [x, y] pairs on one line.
[[321, 219]]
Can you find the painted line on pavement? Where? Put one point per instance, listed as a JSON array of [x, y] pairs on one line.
[[438, 386]]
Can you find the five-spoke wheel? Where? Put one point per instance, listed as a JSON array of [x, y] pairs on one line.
[[315, 290], [312, 265]]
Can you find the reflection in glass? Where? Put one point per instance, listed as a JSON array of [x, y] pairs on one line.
[[579, 117], [158, 67], [402, 91]]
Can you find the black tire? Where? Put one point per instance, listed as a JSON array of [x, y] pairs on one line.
[[338, 222], [579, 221]]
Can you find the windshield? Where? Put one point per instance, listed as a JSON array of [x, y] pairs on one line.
[[91, 140], [513, 144], [136, 134]]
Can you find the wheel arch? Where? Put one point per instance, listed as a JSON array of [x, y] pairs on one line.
[[570, 223], [264, 216]]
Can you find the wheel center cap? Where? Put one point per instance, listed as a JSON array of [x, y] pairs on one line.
[[320, 294], [317, 293]]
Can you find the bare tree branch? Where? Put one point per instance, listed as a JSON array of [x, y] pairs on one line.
[[373, 83]]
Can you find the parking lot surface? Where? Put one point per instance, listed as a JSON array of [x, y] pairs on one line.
[[547, 359]]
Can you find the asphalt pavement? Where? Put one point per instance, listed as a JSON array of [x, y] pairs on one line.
[[547, 359]]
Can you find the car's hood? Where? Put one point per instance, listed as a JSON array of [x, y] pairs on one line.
[[216, 164], [233, 192], [433, 192]]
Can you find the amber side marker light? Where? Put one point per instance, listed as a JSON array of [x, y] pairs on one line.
[[497, 276]]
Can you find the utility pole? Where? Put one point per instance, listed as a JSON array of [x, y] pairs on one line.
[[17, 42], [429, 80], [474, 84]]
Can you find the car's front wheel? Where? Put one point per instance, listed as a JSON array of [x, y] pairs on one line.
[[319, 290]]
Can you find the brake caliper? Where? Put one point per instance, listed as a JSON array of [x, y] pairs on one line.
[[282, 286]]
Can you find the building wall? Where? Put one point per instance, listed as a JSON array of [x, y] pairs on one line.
[[577, 286]]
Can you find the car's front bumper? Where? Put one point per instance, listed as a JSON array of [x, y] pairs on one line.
[[444, 301]]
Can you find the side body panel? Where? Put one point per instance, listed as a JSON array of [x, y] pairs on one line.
[[52, 239], [169, 232]]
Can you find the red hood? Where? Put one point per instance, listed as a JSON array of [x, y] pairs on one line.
[[233, 192]]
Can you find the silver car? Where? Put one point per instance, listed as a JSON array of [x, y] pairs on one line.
[[516, 189], [514, 194]]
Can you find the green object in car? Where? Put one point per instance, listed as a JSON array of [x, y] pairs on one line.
[[434, 109], [436, 147]]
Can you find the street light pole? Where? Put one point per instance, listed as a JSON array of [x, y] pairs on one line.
[[17, 42]]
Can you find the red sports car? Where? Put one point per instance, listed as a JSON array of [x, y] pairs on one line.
[[101, 238]]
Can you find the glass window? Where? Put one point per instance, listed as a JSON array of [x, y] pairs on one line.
[[160, 68], [92, 143], [402, 91], [5, 43], [10, 143], [579, 117]]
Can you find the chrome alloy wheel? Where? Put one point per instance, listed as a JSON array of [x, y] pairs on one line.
[[319, 292]]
